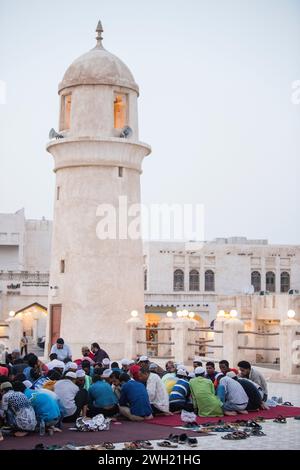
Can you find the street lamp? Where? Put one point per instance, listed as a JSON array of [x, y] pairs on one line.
[[233, 313], [134, 313], [291, 314]]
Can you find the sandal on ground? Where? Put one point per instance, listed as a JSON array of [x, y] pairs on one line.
[[166, 444], [287, 403], [192, 442], [253, 424], [297, 417], [235, 436], [257, 432], [145, 444], [280, 419], [108, 445], [132, 445]]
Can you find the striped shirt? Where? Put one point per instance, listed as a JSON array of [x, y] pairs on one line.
[[180, 391]]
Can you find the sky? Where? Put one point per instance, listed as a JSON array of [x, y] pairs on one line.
[[216, 103]]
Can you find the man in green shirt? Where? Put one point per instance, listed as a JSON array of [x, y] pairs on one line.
[[203, 395]]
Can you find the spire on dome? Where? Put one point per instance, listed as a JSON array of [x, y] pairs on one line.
[[99, 37]]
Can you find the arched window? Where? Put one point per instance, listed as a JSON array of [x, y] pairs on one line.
[[145, 279], [270, 281], [284, 281], [178, 281], [209, 280], [119, 111], [256, 281], [194, 279]]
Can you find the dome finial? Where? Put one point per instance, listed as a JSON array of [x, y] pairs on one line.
[[99, 38]]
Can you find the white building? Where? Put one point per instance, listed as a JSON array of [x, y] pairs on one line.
[[202, 277]]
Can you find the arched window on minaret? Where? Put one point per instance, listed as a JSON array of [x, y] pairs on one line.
[[120, 111], [65, 119]]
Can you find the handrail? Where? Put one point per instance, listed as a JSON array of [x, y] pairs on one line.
[[261, 349], [153, 328], [154, 342], [257, 333], [205, 329]]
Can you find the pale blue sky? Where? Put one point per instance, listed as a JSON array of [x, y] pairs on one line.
[[215, 81]]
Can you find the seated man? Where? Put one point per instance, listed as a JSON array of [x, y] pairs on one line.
[[251, 373], [45, 405], [102, 399], [210, 371], [157, 392], [180, 396], [224, 367], [235, 397], [255, 398], [17, 410], [203, 395], [134, 401], [72, 400], [169, 379]]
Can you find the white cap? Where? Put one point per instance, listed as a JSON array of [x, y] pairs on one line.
[[125, 362], [143, 358], [191, 375], [80, 373], [182, 372], [27, 383], [231, 374], [199, 370], [106, 361], [106, 373], [71, 365], [197, 359], [56, 363], [131, 361], [72, 375]]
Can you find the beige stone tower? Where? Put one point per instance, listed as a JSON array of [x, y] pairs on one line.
[[95, 281]]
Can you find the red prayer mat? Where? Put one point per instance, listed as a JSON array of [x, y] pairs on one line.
[[175, 420]]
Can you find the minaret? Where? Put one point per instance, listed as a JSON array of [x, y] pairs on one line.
[[96, 279]]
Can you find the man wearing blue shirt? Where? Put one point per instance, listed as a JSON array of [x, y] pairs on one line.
[[102, 398], [134, 401]]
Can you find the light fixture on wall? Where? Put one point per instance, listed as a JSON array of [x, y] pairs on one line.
[[134, 313], [179, 314], [191, 314], [12, 313], [233, 313], [291, 314], [221, 314], [185, 313], [170, 314]]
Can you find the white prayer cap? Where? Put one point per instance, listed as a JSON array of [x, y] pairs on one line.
[[143, 359], [125, 362], [106, 361], [56, 363], [191, 375], [72, 375], [71, 365], [107, 373], [80, 373], [197, 359], [182, 372], [131, 362], [199, 370]]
